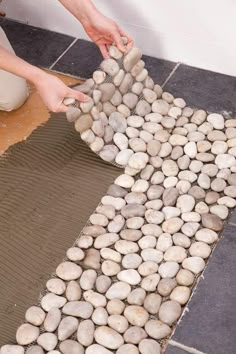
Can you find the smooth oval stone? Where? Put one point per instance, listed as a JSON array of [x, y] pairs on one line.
[[194, 264], [126, 83], [118, 78], [92, 259], [200, 249], [35, 315], [109, 152], [72, 114], [136, 315], [106, 240], [100, 316], [160, 106], [115, 306], [130, 100], [151, 229], [227, 201], [86, 241], [47, 341], [206, 235], [131, 261], [124, 181], [52, 319], [118, 323], [212, 222], [110, 66], [147, 268], [127, 349], [136, 297], [110, 268], [96, 299], [130, 276], [157, 329], [168, 269], [220, 210], [108, 337], [170, 196], [103, 283], [170, 312], [71, 347], [119, 290], [68, 271], [131, 58], [74, 254], [149, 346], [175, 254], [36, 349], [97, 349], [165, 286], [143, 108], [134, 335], [83, 123], [12, 349], [27, 334], [152, 255], [133, 210], [51, 300], [85, 333], [99, 76], [80, 309], [150, 282], [164, 242], [172, 225], [180, 294], [108, 90], [117, 122], [152, 303], [88, 279], [185, 277]]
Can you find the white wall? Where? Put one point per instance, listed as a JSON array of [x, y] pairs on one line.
[[200, 33]]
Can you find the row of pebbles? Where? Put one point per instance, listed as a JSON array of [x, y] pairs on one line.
[[124, 284]]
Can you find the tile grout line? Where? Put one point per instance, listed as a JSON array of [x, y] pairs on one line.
[[191, 350], [170, 75], [65, 51]]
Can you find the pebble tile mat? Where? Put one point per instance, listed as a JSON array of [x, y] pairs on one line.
[[125, 282]]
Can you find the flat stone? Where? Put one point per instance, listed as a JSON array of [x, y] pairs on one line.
[[71, 347], [52, 319], [108, 337], [170, 312], [157, 329], [212, 222], [80, 309], [27, 334]]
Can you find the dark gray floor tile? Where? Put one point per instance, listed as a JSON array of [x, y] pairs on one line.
[[81, 59], [158, 69], [84, 57], [204, 89], [210, 323], [232, 217], [174, 350], [37, 46]]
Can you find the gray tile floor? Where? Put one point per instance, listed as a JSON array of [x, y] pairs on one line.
[[209, 325]]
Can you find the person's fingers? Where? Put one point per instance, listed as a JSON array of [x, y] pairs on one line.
[[126, 35], [104, 51], [77, 95], [62, 108], [118, 41]]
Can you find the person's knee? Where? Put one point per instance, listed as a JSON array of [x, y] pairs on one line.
[[16, 97]]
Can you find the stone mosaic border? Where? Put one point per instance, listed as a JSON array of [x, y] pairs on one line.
[[128, 277]]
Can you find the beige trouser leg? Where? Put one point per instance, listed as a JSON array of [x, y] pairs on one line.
[[13, 89]]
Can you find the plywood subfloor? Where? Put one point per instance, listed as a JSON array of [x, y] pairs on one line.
[[18, 125]]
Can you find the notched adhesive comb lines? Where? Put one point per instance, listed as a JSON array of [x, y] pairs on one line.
[[124, 284]]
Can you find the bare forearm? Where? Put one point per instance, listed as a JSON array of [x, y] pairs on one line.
[[83, 10], [13, 64]]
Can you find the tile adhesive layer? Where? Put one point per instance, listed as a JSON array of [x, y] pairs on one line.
[[126, 281], [49, 186]]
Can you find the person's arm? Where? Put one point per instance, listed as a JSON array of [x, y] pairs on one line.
[[51, 89], [102, 30]]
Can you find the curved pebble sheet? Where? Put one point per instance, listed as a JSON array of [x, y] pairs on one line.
[[126, 280]]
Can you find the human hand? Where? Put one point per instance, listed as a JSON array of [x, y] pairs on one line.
[[104, 32], [53, 91]]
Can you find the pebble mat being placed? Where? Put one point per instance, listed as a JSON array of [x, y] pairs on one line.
[[124, 284]]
